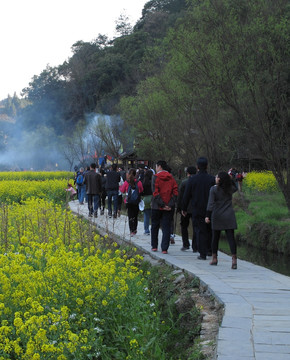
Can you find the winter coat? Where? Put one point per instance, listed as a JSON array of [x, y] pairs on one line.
[[180, 197], [221, 209], [93, 182], [164, 189], [197, 191]]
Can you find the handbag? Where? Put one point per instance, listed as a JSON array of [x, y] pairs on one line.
[[141, 205]]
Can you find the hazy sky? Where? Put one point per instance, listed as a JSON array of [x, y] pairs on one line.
[[34, 33]]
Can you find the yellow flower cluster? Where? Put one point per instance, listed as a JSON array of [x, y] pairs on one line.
[[35, 175], [18, 190], [261, 181], [56, 285]]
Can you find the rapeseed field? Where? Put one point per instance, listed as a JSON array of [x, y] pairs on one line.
[[62, 295]]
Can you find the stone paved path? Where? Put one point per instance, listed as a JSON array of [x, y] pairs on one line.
[[256, 322]]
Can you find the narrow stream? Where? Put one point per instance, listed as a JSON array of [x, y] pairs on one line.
[[274, 261]]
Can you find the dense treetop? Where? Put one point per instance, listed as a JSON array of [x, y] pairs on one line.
[[190, 78]]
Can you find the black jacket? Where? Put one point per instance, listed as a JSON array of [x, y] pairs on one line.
[[181, 190], [93, 182], [112, 180], [197, 191]]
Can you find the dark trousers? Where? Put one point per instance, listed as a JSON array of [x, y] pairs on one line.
[[184, 223], [133, 211], [172, 227], [103, 200], [112, 195], [163, 218], [230, 233], [93, 203], [203, 235], [120, 200]]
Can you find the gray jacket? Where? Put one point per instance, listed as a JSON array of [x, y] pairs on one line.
[[220, 206]]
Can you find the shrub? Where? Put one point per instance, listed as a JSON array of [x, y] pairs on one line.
[[261, 182]]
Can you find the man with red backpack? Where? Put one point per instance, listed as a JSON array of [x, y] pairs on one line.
[[165, 191]]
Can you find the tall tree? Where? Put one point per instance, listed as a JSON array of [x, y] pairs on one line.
[[242, 49]]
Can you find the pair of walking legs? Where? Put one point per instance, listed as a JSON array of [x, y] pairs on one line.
[[93, 204], [163, 218], [133, 211], [112, 197], [232, 243], [184, 223]]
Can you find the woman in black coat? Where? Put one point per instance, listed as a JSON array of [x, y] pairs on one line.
[[221, 214]]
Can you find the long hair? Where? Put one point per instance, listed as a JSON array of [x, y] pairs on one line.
[[225, 182], [147, 178], [131, 177]]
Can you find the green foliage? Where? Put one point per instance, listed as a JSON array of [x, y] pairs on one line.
[[263, 221], [224, 82], [183, 327]]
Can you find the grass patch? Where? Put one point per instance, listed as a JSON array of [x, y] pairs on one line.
[[178, 311], [263, 221]]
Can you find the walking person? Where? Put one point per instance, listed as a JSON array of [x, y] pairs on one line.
[[112, 189], [147, 196], [120, 197], [197, 191], [103, 195], [81, 186], [185, 220], [165, 191], [221, 215], [173, 216], [133, 188], [93, 182]]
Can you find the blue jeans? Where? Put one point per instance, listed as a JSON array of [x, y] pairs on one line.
[[81, 193], [93, 203], [147, 216], [164, 218], [112, 194]]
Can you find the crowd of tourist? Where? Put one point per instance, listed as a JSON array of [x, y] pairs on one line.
[[202, 199]]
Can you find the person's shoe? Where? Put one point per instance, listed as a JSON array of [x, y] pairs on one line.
[[95, 215], [119, 213], [184, 248], [154, 249], [147, 233], [172, 239], [110, 215], [115, 216], [201, 257], [194, 250], [214, 260], [81, 203], [102, 212], [164, 252], [234, 262], [90, 215], [132, 233]]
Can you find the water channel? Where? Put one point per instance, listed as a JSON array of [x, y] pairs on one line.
[[274, 261]]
